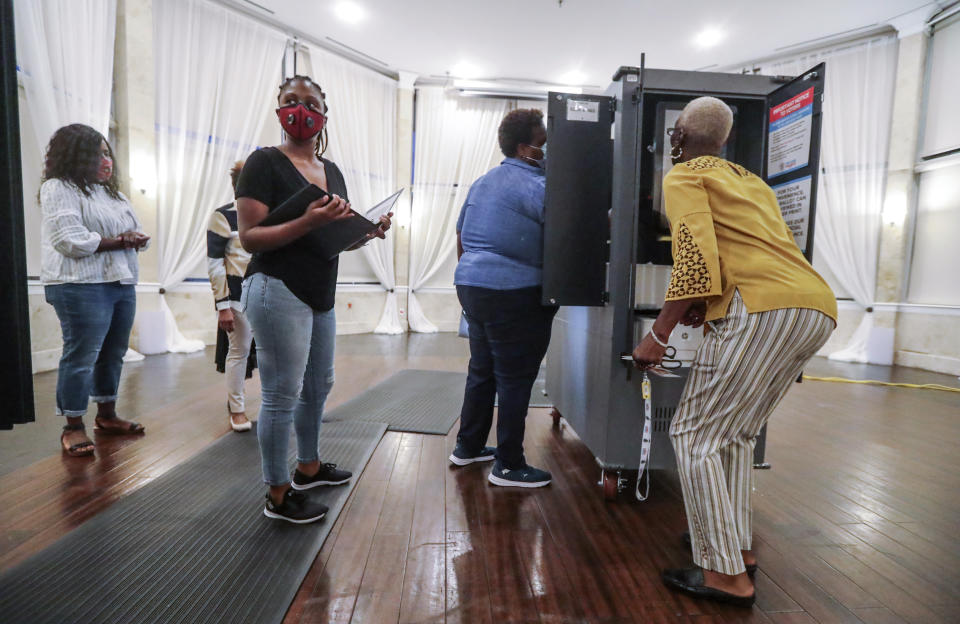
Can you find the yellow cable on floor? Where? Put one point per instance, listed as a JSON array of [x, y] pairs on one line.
[[883, 383]]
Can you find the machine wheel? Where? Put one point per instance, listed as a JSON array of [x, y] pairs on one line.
[[611, 485], [556, 417]]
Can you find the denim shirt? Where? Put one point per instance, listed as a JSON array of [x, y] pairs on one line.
[[501, 228]]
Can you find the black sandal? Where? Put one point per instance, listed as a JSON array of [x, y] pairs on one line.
[[690, 581], [74, 450], [751, 567], [133, 428]]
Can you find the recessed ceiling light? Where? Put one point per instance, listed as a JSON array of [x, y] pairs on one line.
[[573, 77], [709, 37], [464, 69], [350, 12]]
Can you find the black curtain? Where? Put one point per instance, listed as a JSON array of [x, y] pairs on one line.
[[16, 379]]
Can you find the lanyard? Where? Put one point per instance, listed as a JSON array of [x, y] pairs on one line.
[[647, 437]]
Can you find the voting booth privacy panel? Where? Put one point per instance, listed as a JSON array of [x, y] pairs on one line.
[[607, 250]]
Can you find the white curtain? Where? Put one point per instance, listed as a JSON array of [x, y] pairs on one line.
[[362, 131], [456, 143], [65, 57], [216, 76], [857, 109]]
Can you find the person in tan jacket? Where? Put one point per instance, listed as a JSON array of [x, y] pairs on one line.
[[227, 262]]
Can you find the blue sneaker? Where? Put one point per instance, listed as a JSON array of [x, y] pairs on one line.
[[528, 476], [462, 457]]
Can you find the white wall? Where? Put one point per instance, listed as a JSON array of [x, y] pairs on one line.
[[933, 275], [933, 268], [31, 159]]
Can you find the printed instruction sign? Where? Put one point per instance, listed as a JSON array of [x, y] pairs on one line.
[[794, 200], [791, 124], [583, 110]]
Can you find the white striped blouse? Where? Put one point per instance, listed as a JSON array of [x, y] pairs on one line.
[[73, 225]]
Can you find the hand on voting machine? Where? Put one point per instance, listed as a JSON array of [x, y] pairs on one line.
[[338, 236], [659, 371]]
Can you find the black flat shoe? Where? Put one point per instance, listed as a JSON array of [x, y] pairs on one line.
[[751, 567], [690, 581]]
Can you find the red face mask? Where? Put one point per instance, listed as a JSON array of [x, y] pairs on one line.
[[300, 122], [105, 170]]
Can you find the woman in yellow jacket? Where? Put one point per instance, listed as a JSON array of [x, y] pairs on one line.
[[737, 268]]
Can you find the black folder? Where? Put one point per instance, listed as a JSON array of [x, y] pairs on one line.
[[333, 238]]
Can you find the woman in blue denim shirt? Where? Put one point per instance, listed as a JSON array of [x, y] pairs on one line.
[[499, 279], [90, 238], [288, 297]]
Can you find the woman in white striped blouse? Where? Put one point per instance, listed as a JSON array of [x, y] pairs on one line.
[[89, 268]]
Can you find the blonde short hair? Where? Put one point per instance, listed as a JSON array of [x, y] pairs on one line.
[[707, 120], [235, 173]]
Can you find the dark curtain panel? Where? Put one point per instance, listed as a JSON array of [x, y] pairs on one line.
[[16, 379]]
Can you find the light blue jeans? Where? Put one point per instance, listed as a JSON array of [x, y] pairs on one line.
[[295, 356]]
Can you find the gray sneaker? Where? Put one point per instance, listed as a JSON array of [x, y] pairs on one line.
[[527, 476]]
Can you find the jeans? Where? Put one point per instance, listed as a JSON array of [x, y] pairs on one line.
[[236, 363], [295, 357], [95, 320], [509, 335]]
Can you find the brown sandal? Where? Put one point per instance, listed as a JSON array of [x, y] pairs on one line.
[[133, 428], [80, 449]]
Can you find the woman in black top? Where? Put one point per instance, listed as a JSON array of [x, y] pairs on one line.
[[288, 296]]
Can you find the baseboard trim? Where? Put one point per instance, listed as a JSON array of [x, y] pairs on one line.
[[927, 361], [355, 327], [904, 308], [46, 360]]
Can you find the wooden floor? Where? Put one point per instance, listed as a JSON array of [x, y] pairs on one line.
[[858, 521]]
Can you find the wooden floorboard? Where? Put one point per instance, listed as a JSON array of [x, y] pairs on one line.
[[857, 522]]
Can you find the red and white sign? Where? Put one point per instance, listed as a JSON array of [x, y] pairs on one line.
[[793, 104]]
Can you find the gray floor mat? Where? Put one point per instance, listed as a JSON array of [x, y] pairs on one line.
[[418, 401], [192, 546]]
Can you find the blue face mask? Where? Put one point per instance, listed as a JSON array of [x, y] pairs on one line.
[[542, 161]]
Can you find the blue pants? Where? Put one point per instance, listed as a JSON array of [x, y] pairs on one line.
[[95, 320], [509, 335], [295, 347]]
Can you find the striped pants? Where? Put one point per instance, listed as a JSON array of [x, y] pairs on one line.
[[742, 370]]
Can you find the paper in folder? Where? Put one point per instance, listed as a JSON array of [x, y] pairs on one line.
[[333, 238]]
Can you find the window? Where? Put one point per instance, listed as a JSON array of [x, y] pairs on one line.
[[942, 125], [933, 273]]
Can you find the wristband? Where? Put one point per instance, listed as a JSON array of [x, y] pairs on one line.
[[657, 340]]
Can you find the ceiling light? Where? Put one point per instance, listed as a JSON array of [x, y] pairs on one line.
[[573, 77], [709, 37], [350, 12], [465, 70]]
